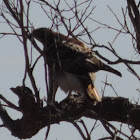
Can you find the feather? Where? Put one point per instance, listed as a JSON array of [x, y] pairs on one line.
[[73, 62]]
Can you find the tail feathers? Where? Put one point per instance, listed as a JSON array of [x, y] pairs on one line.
[[109, 69], [93, 93]]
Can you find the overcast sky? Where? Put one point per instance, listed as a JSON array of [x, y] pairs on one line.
[[12, 67]]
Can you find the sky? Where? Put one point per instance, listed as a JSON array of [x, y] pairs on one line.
[[12, 66]]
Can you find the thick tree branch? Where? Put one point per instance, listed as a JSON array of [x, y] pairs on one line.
[[72, 108]]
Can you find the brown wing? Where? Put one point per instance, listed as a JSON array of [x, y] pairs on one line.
[[47, 37], [69, 54]]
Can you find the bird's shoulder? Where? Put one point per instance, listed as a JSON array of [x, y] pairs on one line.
[[72, 43]]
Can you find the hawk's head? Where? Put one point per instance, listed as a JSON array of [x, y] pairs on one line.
[[43, 35]]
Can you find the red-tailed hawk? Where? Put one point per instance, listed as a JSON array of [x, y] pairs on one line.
[[73, 62]]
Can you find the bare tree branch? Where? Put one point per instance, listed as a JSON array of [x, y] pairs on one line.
[[72, 108], [36, 115]]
